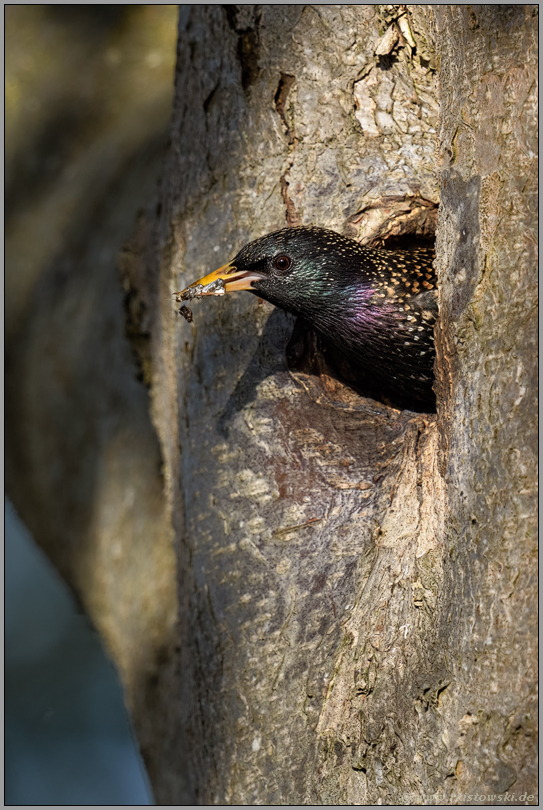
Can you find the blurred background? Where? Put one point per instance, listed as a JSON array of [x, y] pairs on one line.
[[67, 735], [88, 102]]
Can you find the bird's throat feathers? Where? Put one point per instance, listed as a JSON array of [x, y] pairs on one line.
[[338, 301]]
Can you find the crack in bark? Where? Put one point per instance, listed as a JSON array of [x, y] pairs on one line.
[[248, 42], [286, 83], [284, 87], [292, 216]]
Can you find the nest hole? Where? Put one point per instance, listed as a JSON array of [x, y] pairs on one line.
[[326, 374]]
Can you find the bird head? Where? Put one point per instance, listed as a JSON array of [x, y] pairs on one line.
[[298, 269]]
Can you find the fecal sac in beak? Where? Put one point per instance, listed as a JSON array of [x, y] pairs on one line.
[[224, 280]]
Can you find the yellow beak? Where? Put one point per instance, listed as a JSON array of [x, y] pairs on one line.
[[226, 279]]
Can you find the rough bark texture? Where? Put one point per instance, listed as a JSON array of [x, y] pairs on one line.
[[355, 583], [296, 520], [488, 336], [327, 554]]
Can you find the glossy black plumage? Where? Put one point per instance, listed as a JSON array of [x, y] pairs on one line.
[[378, 307]]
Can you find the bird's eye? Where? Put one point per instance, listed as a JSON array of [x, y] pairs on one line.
[[282, 263]]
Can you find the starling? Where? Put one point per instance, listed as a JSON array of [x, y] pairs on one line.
[[377, 307]]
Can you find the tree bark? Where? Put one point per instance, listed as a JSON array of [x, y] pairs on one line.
[[355, 583], [487, 146]]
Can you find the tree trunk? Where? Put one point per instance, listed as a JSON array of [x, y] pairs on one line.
[[355, 582]]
